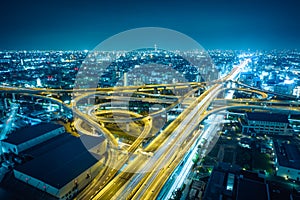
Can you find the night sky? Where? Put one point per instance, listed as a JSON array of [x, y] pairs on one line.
[[215, 24]]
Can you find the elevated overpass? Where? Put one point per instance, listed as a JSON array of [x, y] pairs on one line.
[[143, 175], [171, 139], [265, 91]]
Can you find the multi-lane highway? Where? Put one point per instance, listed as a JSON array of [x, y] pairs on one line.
[[160, 173], [140, 173], [140, 184], [171, 133]]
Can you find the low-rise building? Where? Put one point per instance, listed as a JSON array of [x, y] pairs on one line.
[[287, 160], [266, 123], [197, 188], [63, 165], [27, 137], [230, 182], [284, 88]]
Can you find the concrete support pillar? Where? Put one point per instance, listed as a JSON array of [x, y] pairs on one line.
[[5, 104], [13, 97], [93, 131]]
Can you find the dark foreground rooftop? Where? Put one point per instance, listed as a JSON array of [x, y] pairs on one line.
[[67, 159], [258, 190], [288, 155], [28, 133], [271, 117]]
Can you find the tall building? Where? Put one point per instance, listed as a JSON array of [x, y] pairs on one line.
[[38, 82]]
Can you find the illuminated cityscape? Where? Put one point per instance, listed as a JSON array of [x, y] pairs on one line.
[[148, 113]]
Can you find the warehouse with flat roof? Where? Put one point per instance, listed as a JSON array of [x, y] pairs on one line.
[[28, 137], [287, 160], [63, 165]]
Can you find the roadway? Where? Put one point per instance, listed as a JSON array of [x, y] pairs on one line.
[[187, 162], [131, 176], [153, 184], [11, 89], [177, 133], [278, 109], [92, 122], [256, 102], [143, 175], [265, 91], [184, 137]]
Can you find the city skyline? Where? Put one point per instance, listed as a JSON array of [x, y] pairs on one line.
[[150, 100], [77, 25], [60, 141]]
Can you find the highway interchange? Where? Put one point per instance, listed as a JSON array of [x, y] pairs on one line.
[[137, 171]]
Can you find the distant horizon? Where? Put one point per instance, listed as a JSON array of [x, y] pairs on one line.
[[90, 50]]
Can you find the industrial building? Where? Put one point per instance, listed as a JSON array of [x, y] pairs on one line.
[[266, 123], [230, 182], [27, 137], [63, 165], [287, 160], [284, 88]]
